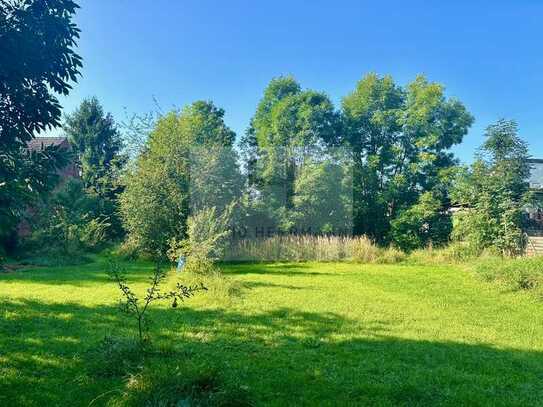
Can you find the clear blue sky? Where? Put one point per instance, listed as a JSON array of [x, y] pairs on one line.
[[489, 54]]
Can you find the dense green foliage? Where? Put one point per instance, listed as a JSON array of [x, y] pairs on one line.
[[96, 144], [400, 140], [290, 128], [303, 334], [423, 224], [158, 196], [37, 61], [67, 224], [392, 144], [494, 192]]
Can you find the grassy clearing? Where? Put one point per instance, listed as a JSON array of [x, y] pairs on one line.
[[281, 334]]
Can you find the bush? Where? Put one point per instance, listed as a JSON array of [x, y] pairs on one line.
[[422, 224], [205, 242], [67, 224]]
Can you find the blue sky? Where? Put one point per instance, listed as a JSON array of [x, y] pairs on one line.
[[488, 54]]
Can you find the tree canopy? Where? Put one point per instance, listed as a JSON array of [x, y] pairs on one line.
[[37, 62], [494, 191], [400, 140], [178, 160], [96, 143]]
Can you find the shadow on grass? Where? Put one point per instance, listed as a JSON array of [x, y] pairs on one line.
[[77, 275], [283, 356], [93, 273]]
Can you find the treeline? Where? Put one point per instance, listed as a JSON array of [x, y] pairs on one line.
[[378, 165]]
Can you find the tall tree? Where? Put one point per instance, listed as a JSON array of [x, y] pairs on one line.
[[289, 127], [494, 191], [37, 61], [188, 153], [97, 145], [400, 140]]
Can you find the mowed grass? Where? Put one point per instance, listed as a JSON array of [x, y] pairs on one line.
[[291, 334]]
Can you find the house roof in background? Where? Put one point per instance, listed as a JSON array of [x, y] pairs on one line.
[[39, 143]]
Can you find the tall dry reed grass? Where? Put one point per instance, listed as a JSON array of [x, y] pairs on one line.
[[299, 248]]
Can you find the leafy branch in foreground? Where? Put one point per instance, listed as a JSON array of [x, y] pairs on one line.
[[132, 305]]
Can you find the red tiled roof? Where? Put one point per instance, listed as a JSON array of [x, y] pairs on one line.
[[39, 143]]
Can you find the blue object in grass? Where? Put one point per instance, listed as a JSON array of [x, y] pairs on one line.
[[180, 264]]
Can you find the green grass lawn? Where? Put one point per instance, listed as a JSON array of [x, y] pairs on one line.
[[291, 334]]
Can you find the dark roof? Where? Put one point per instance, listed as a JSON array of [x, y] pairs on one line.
[[39, 143]]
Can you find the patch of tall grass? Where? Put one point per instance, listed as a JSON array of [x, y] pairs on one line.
[[454, 253], [289, 248], [221, 290], [183, 383], [359, 249], [523, 273], [300, 248]]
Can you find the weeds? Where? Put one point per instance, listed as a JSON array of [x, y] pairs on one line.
[[294, 248], [165, 386], [113, 357], [518, 274], [136, 307]]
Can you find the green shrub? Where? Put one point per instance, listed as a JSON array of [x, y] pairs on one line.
[[67, 225], [425, 223], [206, 240]]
